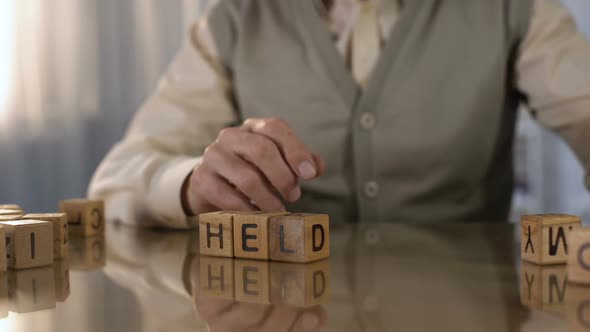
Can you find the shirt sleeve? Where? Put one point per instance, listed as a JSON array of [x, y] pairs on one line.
[[553, 70], [141, 177]]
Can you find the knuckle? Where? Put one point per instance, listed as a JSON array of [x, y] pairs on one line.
[[225, 133], [247, 180], [277, 123], [261, 149]]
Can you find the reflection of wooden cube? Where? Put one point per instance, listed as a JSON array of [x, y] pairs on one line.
[[252, 281], [60, 231], [299, 237], [216, 234], [251, 235], [543, 287], [31, 290], [579, 257], [3, 295], [85, 217], [544, 237], [216, 277], [87, 253], [300, 285], [578, 308], [29, 243], [61, 275]]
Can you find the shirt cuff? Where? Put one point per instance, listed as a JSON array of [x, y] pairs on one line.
[[164, 194]]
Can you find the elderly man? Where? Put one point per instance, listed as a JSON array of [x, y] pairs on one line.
[[375, 110]]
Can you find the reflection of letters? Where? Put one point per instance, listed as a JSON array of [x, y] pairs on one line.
[[282, 240], [246, 237], [554, 243], [529, 242], [319, 276], [211, 278], [554, 286], [219, 235], [314, 228], [580, 313], [580, 256], [246, 281], [529, 283]]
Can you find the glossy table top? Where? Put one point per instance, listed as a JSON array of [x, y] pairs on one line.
[[450, 277]]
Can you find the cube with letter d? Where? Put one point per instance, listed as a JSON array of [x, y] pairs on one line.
[[299, 237]]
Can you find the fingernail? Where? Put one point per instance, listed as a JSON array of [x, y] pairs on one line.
[[294, 194], [310, 321], [306, 170]]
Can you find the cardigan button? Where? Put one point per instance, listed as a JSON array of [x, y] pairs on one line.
[[371, 189], [368, 120]]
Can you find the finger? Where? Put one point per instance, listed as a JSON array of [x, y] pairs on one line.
[[320, 164], [218, 193], [310, 320], [266, 156], [280, 319], [248, 180], [294, 151]]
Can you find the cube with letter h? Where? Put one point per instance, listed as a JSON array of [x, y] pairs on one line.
[[544, 238]]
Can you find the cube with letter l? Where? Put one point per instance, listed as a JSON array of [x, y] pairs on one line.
[[299, 237]]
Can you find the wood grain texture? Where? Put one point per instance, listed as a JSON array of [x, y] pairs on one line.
[[3, 248], [300, 285], [31, 290], [60, 231], [85, 217], [579, 258], [87, 253], [29, 243], [216, 277], [544, 238], [299, 237], [252, 281], [4, 298], [543, 287], [216, 236], [61, 275], [251, 237]]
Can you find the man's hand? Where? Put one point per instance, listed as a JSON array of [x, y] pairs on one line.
[[250, 167]]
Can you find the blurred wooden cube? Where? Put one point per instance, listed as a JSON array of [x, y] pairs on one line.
[[216, 234], [252, 281], [61, 275], [3, 250], [85, 217], [579, 256], [300, 285], [5, 212], [299, 237], [544, 237], [578, 308], [251, 234], [543, 287], [29, 243], [4, 301], [11, 207], [60, 231], [87, 253], [31, 290], [11, 217], [216, 277]]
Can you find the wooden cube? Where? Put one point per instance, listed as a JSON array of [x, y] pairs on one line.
[[216, 234], [31, 290], [544, 238], [543, 287], [11, 217], [3, 253], [216, 277], [61, 275], [252, 281], [60, 231], [85, 217], [251, 234], [299, 237], [578, 267], [578, 308], [300, 285], [4, 304], [87, 253], [29, 243]]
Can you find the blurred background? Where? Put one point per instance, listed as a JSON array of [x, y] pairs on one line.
[[73, 72]]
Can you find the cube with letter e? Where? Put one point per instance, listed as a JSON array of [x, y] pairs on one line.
[[299, 237]]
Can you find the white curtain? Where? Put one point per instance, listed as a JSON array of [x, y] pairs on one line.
[[72, 73]]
